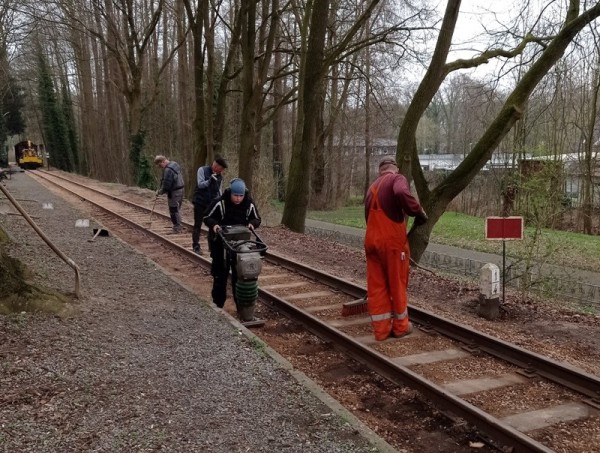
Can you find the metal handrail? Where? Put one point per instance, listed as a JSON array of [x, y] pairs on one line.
[[37, 229]]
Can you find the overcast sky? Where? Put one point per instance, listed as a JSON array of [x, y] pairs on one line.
[[475, 17]]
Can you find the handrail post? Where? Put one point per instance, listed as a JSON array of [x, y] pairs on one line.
[[37, 229]]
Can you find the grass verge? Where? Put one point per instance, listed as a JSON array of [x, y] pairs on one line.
[[464, 231]]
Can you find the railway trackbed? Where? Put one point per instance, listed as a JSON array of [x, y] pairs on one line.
[[514, 397]]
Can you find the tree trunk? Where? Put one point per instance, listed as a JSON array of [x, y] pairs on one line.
[[209, 34], [311, 81], [278, 176], [248, 150], [196, 20], [182, 95], [406, 147]]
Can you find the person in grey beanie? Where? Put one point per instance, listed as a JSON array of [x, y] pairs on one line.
[[171, 184]]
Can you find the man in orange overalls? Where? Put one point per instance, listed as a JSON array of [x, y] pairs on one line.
[[387, 203]]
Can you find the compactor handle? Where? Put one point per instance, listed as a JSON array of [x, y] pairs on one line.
[[233, 246]]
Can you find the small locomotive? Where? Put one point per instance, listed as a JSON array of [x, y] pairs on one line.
[[28, 155]]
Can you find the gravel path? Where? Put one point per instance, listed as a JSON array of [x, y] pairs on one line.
[[141, 364]]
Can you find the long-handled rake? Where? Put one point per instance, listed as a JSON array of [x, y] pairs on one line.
[[152, 212]]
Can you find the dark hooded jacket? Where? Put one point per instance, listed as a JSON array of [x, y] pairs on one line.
[[172, 179], [224, 212]]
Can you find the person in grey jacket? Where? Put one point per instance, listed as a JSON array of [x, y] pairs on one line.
[[171, 184]]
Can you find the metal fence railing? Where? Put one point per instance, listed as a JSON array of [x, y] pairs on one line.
[[543, 283]]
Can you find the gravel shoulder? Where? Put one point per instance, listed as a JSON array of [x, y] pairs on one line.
[[144, 365], [140, 363]]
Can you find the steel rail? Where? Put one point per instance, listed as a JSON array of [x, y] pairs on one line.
[[399, 374], [379, 363], [205, 262], [313, 274], [560, 373]]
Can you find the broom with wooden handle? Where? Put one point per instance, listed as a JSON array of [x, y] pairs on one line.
[[152, 212]]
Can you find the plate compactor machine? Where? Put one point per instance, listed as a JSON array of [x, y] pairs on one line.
[[246, 255]]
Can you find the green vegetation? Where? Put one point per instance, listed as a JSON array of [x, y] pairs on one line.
[[257, 344], [573, 249], [54, 123], [465, 231], [353, 216]]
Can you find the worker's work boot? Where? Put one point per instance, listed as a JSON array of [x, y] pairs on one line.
[[408, 331]]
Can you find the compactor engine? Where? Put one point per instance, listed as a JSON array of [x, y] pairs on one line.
[[247, 254]]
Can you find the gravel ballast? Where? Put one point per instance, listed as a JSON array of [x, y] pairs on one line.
[[141, 363]]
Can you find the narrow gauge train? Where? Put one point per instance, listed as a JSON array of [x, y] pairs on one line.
[[28, 155]]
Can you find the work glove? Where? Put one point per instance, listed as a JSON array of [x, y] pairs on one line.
[[214, 177], [421, 218]]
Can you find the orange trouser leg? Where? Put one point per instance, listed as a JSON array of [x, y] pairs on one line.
[[378, 296], [397, 266]]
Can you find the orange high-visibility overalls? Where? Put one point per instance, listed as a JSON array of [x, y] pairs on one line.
[[386, 247]]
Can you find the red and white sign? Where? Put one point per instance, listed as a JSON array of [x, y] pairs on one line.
[[504, 228]]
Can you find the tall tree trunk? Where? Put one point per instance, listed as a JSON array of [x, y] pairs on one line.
[[315, 64], [278, 176], [368, 152], [196, 13], [89, 120], [436, 72], [312, 76], [248, 150], [116, 110], [182, 95], [209, 33], [229, 72]]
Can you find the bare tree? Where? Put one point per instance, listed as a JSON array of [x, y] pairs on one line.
[[255, 72], [127, 32], [437, 199], [315, 64]]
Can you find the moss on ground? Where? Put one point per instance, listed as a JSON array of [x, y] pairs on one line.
[[18, 294]]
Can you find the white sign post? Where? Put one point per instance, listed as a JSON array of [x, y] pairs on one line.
[[489, 291]]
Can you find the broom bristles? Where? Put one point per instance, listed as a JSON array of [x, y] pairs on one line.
[[355, 307]]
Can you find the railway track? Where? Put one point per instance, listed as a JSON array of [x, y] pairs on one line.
[[474, 376]]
